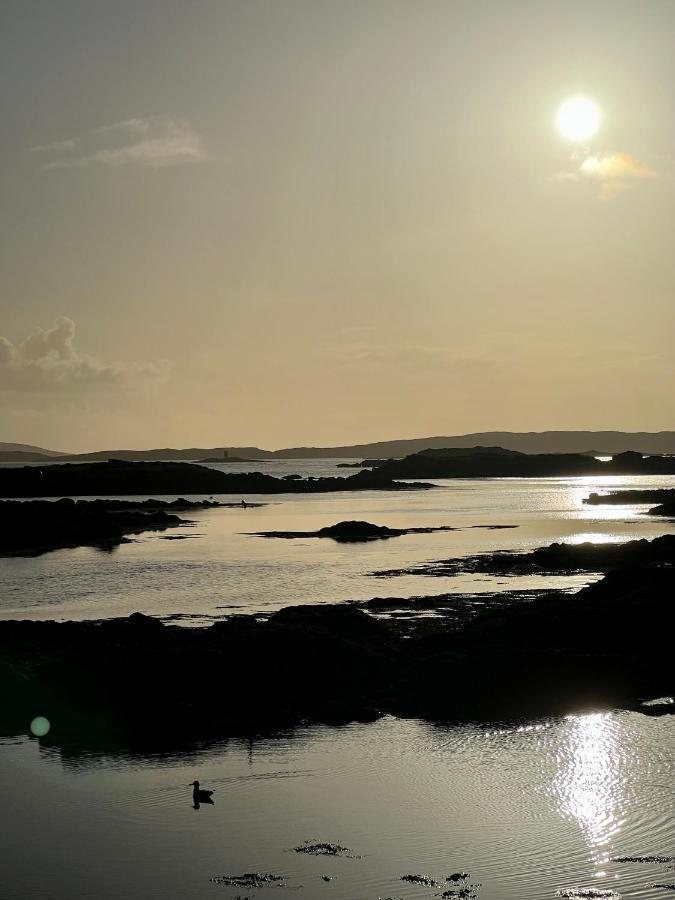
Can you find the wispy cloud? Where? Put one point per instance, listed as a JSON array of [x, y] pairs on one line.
[[613, 173], [48, 362], [413, 357], [155, 141], [55, 147]]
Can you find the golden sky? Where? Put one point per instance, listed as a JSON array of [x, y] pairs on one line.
[[309, 222]]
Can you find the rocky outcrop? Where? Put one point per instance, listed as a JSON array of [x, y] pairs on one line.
[[555, 559], [351, 532], [138, 684], [117, 477], [496, 462], [33, 527]]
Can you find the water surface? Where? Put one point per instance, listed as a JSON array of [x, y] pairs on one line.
[[526, 811], [218, 569]]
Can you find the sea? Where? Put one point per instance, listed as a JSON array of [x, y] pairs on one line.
[[539, 809]]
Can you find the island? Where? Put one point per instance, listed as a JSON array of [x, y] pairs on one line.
[[496, 462], [351, 532], [29, 528], [665, 498], [118, 477]]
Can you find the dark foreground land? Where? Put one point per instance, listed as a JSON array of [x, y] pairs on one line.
[[116, 477], [136, 684], [554, 559]]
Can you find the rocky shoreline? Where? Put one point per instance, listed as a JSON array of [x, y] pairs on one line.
[[496, 462], [136, 683], [554, 559], [117, 477], [33, 527], [665, 498]]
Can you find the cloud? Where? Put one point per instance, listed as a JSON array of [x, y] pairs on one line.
[[48, 362], [55, 147], [613, 173], [411, 357], [155, 141]]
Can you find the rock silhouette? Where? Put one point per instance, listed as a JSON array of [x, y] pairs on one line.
[[496, 462], [554, 559], [117, 477], [37, 526], [352, 532], [610, 645]]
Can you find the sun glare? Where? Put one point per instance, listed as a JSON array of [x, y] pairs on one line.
[[578, 119]]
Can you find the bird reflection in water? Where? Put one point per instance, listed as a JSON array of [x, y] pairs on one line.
[[200, 797], [590, 784]]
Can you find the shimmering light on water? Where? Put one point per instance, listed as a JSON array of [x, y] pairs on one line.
[[219, 569], [591, 785], [594, 537], [526, 810]]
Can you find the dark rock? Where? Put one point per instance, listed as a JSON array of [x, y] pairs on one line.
[[135, 683], [119, 477], [351, 532], [247, 880], [324, 848], [586, 893], [632, 497], [33, 527], [426, 880], [660, 860], [553, 559], [496, 462]]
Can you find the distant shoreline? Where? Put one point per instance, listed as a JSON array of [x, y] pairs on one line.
[[593, 443]]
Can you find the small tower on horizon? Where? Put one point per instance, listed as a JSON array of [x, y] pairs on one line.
[[226, 454]]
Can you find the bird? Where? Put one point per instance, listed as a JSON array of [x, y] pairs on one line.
[[200, 796]]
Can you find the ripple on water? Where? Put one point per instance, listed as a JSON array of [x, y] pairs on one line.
[[526, 811]]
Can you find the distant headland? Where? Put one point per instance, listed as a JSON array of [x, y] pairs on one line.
[[120, 478], [585, 442]]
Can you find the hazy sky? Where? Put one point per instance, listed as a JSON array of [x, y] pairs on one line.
[[292, 222]]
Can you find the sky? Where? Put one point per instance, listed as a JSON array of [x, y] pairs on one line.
[[302, 222]]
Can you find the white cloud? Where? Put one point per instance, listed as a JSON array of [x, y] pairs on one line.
[[155, 141], [614, 172], [48, 362]]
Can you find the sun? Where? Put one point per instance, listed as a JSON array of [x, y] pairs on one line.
[[578, 119]]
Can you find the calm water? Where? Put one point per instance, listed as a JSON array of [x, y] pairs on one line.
[[526, 812], [218, 569]]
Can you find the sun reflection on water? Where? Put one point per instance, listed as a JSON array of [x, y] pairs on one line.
[[590, 784]]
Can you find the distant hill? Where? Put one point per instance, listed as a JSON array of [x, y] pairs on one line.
[[40, 452], [598, 442], [495, 462], [608, 442], [170, 454]]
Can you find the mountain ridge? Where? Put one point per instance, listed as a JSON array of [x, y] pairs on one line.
[[523, 441]]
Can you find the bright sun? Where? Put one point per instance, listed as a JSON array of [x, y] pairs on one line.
[[578, 119]]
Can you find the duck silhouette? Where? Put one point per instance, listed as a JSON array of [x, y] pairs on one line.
[[199, 795]]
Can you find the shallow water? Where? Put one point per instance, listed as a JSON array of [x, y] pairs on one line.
[[218, 569], [525, 811]]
